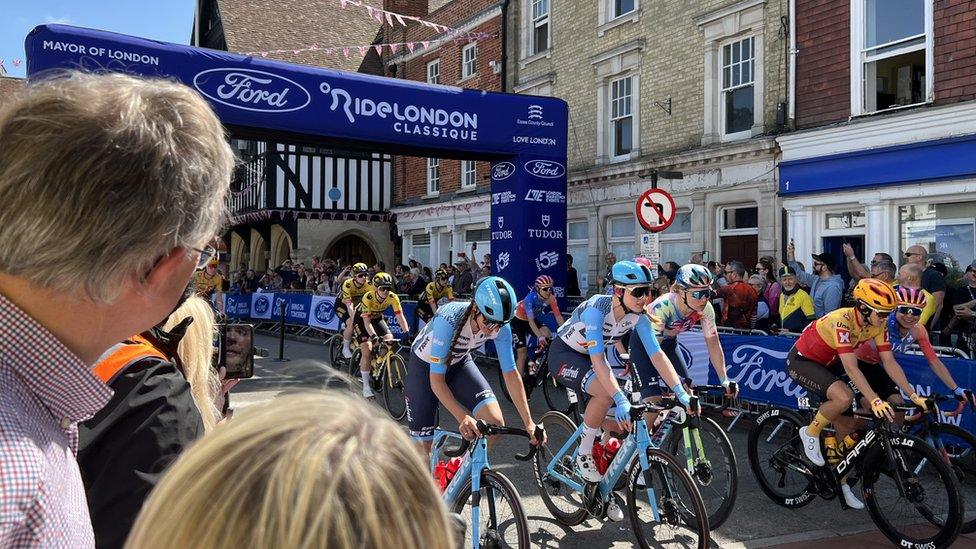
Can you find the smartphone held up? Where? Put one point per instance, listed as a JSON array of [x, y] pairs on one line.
[[235, 350]]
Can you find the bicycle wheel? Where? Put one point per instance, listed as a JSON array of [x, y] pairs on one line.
[[775, 454], [716, 476], [335, 353], [960, 449], [502, 520], [682, 520], [353, 366], [565, 504], [914, 498], [394, 376]]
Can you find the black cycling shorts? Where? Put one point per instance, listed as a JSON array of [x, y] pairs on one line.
[[342, 312], [878, 379], [811, 375], [521, 332], [466, 382], [379, 326], [649, 379]]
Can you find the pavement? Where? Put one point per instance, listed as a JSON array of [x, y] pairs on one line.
[[755, 521]]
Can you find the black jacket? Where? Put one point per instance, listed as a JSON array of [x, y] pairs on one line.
[[125, 448]]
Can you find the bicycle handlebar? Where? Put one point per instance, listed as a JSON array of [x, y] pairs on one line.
[[490, 429], [932, 400], [666, 403], [727, 399]]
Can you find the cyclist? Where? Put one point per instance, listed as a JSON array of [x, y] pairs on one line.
[[525, 319], [577, 359], [436, 290], [688, 303], [372, 324], [441, 369], [904, 329], [826, 351], [353, 290]]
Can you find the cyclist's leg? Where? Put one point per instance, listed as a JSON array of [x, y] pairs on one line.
[[366, 355], [472, 391], [824, 382], [342, 313], [882, 384], [347, 331], [421, 403], [520, 334]]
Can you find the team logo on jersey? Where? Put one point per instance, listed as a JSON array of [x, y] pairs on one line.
[[843, 336]]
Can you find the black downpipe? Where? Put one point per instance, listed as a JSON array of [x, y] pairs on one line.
[[504, 60]]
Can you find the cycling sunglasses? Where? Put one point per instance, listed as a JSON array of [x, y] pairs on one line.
[[361, 276], [909, 310], [545, 289], [704, 293], [639, 291]]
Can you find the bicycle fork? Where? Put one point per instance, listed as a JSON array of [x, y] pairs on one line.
[[693, 441]]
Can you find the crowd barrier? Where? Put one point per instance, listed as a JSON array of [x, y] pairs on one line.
[[756, 361]]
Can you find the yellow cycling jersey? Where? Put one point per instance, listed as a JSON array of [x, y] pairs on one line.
[[372, 305], [796, 310], [839, 332], [351, 292], [431, 293]]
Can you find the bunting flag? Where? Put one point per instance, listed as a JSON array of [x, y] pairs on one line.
[[392, 47], [381, 14]]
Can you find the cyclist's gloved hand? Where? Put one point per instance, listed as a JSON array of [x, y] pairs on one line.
[[881, 409], [686, 400], [731, 387], [965, 395], [621, 411], [919, 401]]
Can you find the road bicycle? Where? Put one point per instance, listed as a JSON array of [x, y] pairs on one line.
[[484, 497], [336, 358], [537, 375], [667, 511], [955, 445], [387, 374], [911, 494]]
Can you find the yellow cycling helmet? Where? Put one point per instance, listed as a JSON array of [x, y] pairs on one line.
[[359, 268], [876, 294]]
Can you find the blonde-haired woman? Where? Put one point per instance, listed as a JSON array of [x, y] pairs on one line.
[[308, 470], [196, 354]]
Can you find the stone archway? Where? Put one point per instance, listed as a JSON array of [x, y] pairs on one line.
[[281, 246], [259, 252], [350, 247], [238, 252]]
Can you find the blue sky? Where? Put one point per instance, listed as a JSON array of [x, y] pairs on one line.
[[168, 20]]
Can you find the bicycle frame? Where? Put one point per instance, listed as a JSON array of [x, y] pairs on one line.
[[690, 433]]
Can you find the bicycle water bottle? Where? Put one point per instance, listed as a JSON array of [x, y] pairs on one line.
[[440, 474]]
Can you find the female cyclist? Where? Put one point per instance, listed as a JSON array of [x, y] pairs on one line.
[[525, 321]]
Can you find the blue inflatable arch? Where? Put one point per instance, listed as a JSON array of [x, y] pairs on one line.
[[525, 137]]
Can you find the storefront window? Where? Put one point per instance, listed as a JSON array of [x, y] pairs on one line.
[[676, 240], [845, 220], [622, 236], [947, 231]]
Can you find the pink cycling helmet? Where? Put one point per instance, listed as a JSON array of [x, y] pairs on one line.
[[913, 297], [543, 280]]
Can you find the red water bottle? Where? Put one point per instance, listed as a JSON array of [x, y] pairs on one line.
[[599, 457], [610, 449], [452, 468], [440, 474]]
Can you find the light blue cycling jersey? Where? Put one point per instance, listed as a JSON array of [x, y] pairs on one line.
[[591, 328], [433, 343]]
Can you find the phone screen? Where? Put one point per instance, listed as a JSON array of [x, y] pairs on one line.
[[236, 350]]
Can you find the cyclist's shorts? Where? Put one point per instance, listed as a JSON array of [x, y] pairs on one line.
[[648, 379], [341, 311], [878, 379], [424, 311], [521, 332], [572, 369], [379, 326], [465, 381], [811, 375]]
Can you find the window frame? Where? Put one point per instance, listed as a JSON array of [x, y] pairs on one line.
[[414, 246], [433, 176], [723, 90], [436, 65], [581, 263], [471, 63], [860, 57], [613, 120], [616, 240], [473, 171], [722, 231], [537, 21], [668, 237]]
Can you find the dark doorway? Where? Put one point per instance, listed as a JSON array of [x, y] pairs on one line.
[[351, 249], [834, 245], [744, 248]]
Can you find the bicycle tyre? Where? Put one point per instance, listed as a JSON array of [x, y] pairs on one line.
[[556, 423], [394, 378], [335, 353], [791, 421], [963, 461], [873, 466], [504, 487], [353, 366], [717, 513], [665, 470]]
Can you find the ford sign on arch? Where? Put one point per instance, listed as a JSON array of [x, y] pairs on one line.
[[252, 90]]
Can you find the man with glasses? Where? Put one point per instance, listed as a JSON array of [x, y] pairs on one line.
[[738, 297], [532, 306], [795, 304], [353, 290], [435, 291], [826, 287], [932, 281], [858, 271]]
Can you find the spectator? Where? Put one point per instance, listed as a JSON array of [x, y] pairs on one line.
[[146, 158], [428, 275], [858, 271], [572, 278], [766, 269], [210, 284], [884, 270], [287, 273], [322, 470], [671, 270], [414, 285], [463, 280], [761, 316], [301, 276], [250, 282], [696, 258], [718, 272], [738, 298], [933, 281], [603, 282], [826, 287], [910, 276], [964, 309], [795, 304]]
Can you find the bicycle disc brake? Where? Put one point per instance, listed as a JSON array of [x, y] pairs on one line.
[[703, 472]]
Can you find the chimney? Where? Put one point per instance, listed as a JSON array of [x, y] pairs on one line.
[[416, 8]]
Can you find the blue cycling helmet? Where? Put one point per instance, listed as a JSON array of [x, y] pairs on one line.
[[629, 273], [693, 276], [495, 299]]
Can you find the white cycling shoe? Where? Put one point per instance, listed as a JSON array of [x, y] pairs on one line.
[[849, 498], [587, 468], [346, 351], [811, 447], [614, 512]]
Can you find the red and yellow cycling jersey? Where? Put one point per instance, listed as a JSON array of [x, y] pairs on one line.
[[837, 333]]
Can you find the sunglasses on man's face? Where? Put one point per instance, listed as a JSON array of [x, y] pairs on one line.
[[545, 289], [704, 293], [361, 276], [910, 311], [639, 291], [910, 254]]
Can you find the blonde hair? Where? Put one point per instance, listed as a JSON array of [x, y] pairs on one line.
[[196, 353], [102, 174], [311, 470]]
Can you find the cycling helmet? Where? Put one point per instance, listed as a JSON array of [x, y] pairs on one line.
[[693, 276], [440, 273], [383, 280], [641, 260], [876, 294], [913, 297], [628, 273], [543, 280], [496, 299], [359, 268]]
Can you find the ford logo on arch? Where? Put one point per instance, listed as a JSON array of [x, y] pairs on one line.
[[252, 90], [546, 169], [502, 171]]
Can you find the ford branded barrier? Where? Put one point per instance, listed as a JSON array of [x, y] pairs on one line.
[[523, 136], [315, 311]]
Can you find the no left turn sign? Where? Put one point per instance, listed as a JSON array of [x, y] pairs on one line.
[[655, 210]]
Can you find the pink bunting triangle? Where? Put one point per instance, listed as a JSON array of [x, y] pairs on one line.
[[393, 48], [425, 44], [379, 49], [371, 11], [264, 54], [16, 62], [399, 19], [410, 46], [342, 3], [345, 51], [362, 49], [389, 19]]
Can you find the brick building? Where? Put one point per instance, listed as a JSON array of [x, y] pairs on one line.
[[885, 106], [697, 87], [442, 205]]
